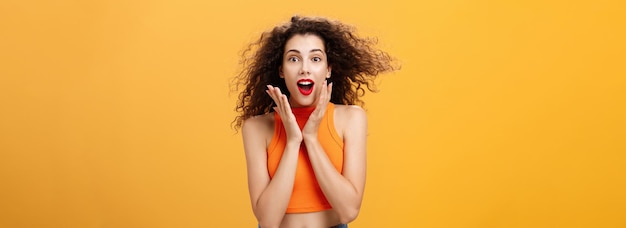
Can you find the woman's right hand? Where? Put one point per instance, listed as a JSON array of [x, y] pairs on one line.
[[294, 134]]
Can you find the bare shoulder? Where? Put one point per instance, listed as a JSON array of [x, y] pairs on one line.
[[260, 127], [259, 121], [346, 113], [349, 117]]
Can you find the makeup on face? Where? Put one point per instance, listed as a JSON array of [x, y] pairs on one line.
[[304, 67], [305, 86]]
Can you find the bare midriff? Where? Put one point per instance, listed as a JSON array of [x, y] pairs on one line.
[[320, 219]]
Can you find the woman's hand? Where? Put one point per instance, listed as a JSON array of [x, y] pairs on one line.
[[312, 125], [294, 135]]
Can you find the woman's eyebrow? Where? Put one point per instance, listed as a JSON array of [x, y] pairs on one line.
[[317, 49], [312, 50]]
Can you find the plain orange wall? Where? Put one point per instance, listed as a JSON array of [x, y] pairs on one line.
[[505, 113]]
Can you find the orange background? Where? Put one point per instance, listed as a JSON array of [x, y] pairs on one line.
[[505, 113]]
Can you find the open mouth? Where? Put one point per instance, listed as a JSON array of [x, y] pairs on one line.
[[305, 86]]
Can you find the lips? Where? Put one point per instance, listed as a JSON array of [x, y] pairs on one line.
[[305, 86]]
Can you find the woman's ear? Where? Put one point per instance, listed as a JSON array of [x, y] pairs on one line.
[[330, 69], [280, 72]]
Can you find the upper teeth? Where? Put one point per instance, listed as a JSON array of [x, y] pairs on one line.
[[305, 83]]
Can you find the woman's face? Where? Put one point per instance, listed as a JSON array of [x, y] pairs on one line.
[[304, 68]]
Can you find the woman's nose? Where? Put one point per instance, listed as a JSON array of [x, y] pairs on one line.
[[304, 69]]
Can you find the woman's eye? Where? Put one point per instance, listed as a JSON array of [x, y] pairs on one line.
[[293, 59], [317, 59]]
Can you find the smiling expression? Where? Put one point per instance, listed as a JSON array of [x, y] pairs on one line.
[[304, 68]]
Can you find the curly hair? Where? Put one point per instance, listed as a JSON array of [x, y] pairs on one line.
[[355, 62]]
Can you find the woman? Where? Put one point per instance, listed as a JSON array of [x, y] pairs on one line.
[[303, 136]]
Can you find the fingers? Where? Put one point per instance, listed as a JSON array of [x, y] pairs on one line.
[[326, 91], [324, 98], [282, 103], [270, 91], [330, 90], [280, 99]]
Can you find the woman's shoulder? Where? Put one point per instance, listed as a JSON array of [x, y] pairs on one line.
[[260, 121], [349, 114], [260, 127], [348, 111], [348, 118]]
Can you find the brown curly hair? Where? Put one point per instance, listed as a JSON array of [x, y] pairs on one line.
[[355, 62]]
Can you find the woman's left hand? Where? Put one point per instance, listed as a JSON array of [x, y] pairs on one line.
[[312, 125]]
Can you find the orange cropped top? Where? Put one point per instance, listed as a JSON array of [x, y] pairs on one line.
[[307, 196]]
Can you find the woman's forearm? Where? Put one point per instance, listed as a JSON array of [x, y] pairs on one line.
[[342, 194], [272, 204]]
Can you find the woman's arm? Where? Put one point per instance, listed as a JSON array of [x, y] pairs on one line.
[[344, 191], [270, 197]]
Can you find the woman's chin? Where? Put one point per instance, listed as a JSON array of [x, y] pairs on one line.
[[302, 102]]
